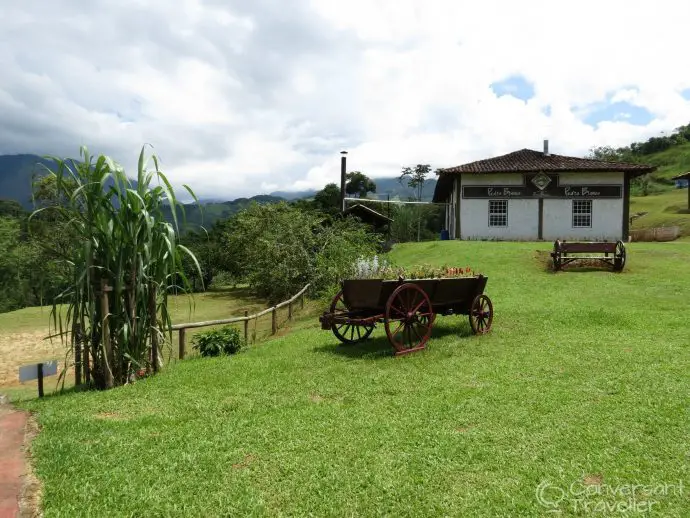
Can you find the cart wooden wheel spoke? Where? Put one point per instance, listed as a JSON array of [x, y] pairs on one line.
[[408, 318], [481, 314], [345, 332]]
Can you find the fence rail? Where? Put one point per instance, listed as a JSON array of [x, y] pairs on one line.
[[246, 319], [655, 234]]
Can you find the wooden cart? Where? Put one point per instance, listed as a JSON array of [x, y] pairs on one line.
[[565, 252], [407, 308]]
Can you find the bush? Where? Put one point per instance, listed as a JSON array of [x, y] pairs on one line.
[[217, 342], [279, 249]]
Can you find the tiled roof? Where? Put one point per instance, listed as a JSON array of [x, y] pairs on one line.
[[682, 176], [528, 160]]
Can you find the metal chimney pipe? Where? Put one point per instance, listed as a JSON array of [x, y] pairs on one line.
[[546, 147], [343, 168]]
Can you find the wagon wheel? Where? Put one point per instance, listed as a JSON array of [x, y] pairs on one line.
[[409, 318], [347, 333], [481, 315], [556, 256], [619, 256]]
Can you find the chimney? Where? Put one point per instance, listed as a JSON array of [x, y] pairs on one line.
[[343, 166], [546, 147]]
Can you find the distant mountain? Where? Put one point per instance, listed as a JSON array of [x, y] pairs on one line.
[[384, 187], [16, 172], [293, 195]]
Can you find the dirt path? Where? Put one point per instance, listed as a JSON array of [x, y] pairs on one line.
[[18, 349], [18, 487]]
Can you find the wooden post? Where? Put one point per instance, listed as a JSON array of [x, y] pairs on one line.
[[274, 323], [154, 330], [301, 301], [246, 326], [105, 328], [76, 340], [40, 380], [85, 361], [290, 310], [180, 354]]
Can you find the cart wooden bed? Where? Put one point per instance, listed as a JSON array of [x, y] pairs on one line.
[[407, 308]]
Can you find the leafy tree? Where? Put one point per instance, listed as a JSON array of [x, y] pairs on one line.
[[358, 184], [416, 177], [279, 248], [328, 199]]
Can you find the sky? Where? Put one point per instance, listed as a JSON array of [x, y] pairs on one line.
[[240, 97]]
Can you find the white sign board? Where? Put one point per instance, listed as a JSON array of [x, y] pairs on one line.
[[30, 372]]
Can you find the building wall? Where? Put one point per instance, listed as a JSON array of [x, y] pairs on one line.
[[523, 213], [607, 214]]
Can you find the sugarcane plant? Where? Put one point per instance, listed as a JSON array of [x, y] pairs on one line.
[[125, 262]]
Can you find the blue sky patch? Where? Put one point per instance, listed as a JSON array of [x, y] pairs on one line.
[[685, 93], [618, 111], [517, 86], [546, 110]]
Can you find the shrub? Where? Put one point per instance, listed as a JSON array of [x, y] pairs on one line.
[[217, 342], [279, 249]]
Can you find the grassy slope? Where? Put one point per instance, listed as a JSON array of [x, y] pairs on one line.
[[670, 162], [585, 375], [666, 209]]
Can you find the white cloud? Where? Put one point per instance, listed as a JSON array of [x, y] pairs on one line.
[[243, 97]]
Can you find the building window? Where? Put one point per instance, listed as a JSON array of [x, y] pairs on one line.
[[498, 213], [582, 213]]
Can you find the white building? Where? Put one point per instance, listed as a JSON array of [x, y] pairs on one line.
[[532, 195]]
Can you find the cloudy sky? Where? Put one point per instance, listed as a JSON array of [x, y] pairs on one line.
[[240, 97]]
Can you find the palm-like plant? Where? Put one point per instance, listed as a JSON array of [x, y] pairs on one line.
[[125, 261]]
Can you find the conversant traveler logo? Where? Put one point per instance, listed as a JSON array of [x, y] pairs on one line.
[[595, 497]]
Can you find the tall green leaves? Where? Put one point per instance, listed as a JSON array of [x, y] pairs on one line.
[[125, 261]]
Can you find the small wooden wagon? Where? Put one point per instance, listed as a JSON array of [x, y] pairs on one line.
[[407, 308], [565, 252]]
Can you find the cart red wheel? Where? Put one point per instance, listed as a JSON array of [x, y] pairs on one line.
[[345, 332], [409, 318], [481, 314]]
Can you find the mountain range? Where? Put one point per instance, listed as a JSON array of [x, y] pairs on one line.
[[17, 171]]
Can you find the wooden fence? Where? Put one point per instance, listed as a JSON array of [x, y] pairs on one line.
[[182, 328], [655, 234]]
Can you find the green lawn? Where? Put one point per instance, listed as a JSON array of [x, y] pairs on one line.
[[584, 380]]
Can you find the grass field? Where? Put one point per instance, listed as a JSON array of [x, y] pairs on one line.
[[23, 333], [576, 401]]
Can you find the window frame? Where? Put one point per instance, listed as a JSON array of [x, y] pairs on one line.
[[581, 213], [502, 213]]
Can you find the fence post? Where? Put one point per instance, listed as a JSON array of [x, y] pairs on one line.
[[301, 301], [290, 310], [246, 326], [181, 344], [274, 323]]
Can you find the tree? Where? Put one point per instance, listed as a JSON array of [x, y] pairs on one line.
[[359, 184], [416, 176], [328, 199], [415, 179], [126, 260], [279, 248]]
